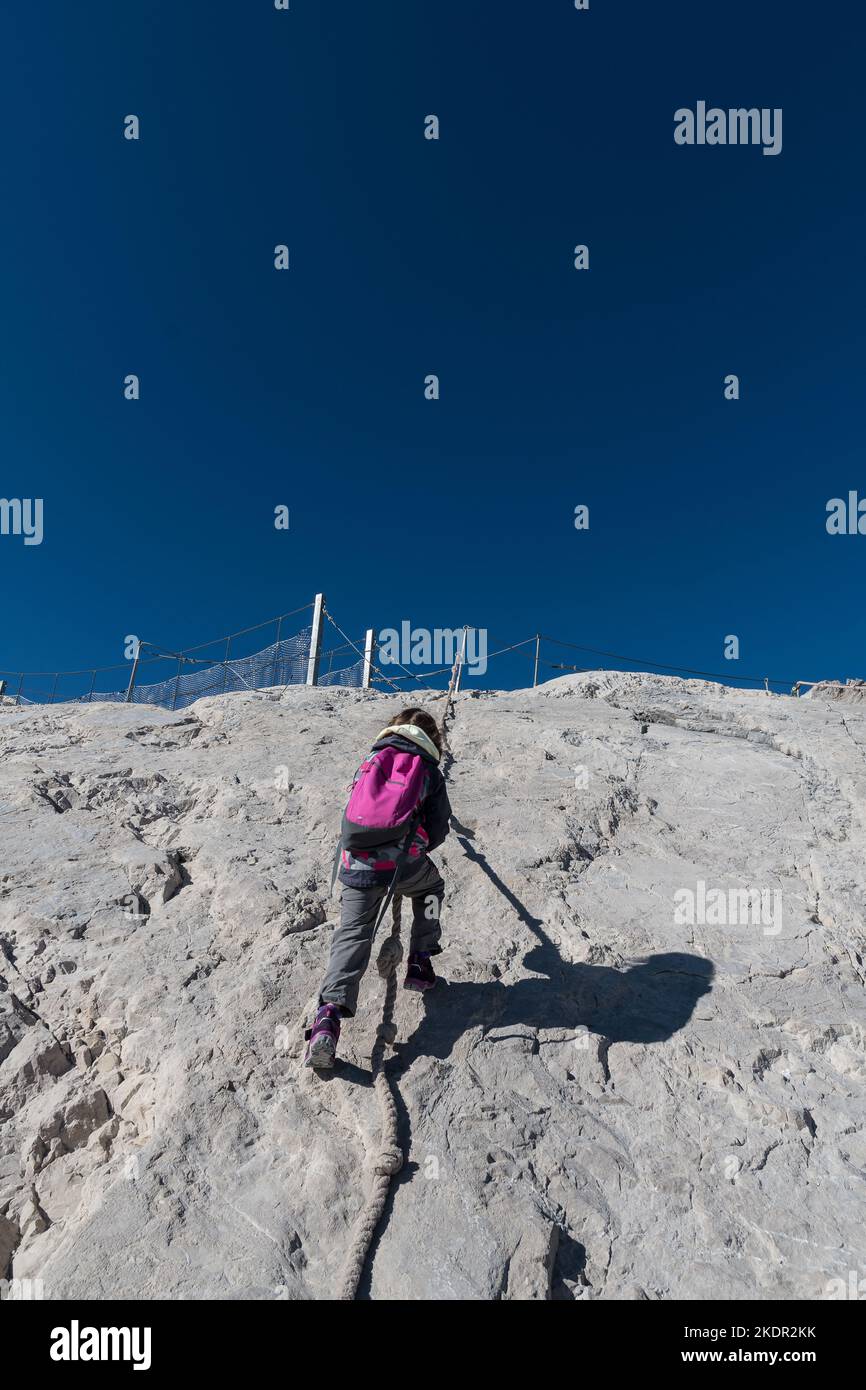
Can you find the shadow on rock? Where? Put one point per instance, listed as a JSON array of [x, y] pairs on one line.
[[646, 1003]]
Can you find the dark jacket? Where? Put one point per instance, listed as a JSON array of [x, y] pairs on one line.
[[368, 869]]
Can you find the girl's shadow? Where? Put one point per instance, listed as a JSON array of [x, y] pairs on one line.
[[647, 1003]]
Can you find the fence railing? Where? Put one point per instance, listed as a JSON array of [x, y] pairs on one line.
[[245, 660], [535, 662]]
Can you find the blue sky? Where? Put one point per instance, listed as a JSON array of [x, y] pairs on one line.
[[408, 257]]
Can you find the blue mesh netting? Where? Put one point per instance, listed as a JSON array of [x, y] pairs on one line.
[[350, 675], [282, 663]]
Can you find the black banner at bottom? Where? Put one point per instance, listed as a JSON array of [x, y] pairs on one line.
[[166, 1338]]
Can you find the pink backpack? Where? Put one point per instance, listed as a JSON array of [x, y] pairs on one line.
[[386, 795]]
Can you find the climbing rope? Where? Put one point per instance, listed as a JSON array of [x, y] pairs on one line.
[[388, 1159], [453, 686]]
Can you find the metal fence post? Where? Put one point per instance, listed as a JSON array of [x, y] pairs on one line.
[[2, 690], [18, 691], [54, 687], [226, 663], [92, 684], [176, 683], [460, 658], [132, 674], [315, 641], [537, 649], [369, 651], [277, 650]]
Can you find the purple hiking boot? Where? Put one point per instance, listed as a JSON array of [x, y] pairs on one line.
[[420, 974], [323, 1038]]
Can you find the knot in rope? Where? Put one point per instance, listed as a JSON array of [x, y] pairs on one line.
[[389, 956], [388, 1161]]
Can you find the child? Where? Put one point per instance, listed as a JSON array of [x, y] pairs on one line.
[[398, 811]]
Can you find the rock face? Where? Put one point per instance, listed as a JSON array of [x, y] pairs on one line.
[[644, 1078], [852, 691]]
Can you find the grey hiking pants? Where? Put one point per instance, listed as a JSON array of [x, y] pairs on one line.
[[353, 938]]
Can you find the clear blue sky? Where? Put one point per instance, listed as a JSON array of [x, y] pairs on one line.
[[558, 387]]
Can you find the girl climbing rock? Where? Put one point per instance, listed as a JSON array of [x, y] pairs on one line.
[[398, 811]]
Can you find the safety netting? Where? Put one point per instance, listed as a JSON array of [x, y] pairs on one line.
[[282, 663], [349, 675]]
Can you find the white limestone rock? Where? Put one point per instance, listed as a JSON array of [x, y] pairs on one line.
[[603, 1101]]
